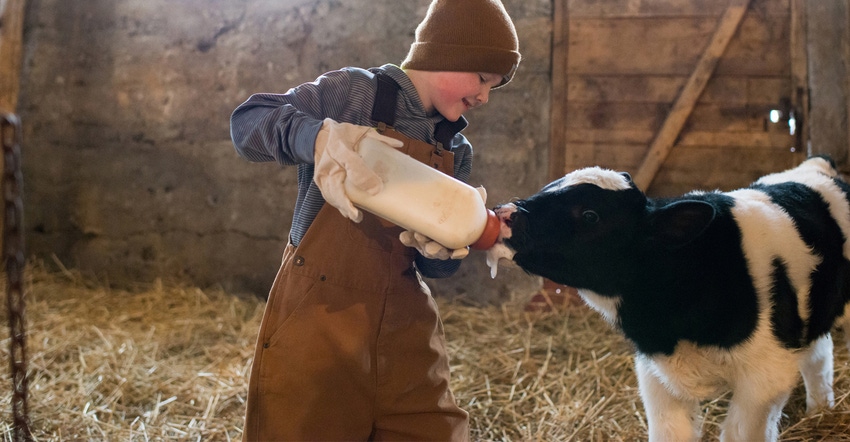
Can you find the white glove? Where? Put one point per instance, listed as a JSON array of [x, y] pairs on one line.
[[429, 248], [336, 158]]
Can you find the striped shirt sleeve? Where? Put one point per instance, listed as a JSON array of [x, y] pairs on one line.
[[283, 128]]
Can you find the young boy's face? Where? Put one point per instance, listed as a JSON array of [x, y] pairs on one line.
[[453, 93]]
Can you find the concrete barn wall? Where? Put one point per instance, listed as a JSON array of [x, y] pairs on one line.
[[130, 173]]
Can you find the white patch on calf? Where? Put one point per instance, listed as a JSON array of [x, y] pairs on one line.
[[814, 165], [604, 178], [670, 417], [817, 174], [757, 370], [817, 368], [605, 305], [768, 232]]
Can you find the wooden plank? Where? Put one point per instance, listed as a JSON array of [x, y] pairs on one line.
[[607, 136], [761, 155], [720, 89], [683, 106], [710, 168], [624, 157], [11, 43], [656, 8], [734, 118], [560, 86], [778, 140], [760, 48], [651, 116], [827, 41], [845, 168], [673, 46], [615, 116], [741, 140]]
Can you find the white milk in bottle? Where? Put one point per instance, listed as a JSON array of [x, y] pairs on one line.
[[425, 200]]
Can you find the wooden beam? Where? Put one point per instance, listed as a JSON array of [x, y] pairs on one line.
[[799, 93], [827, 40], [11, 43], [669, 132], [558, 109]]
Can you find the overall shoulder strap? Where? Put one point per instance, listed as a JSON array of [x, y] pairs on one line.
[[383, 109]]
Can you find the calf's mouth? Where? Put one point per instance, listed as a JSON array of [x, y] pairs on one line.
[[501, 251]]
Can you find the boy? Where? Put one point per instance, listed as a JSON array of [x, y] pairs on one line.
[[351, 346]]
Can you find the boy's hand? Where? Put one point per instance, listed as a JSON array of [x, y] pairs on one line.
[[336, 159], [429, 248]]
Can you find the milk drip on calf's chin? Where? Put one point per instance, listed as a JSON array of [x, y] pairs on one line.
[[425, 200], [500, 250], [496, 253]]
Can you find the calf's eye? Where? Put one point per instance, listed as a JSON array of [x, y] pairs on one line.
[[590, 216]]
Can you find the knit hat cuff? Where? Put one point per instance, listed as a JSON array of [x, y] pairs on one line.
[[461, 58]]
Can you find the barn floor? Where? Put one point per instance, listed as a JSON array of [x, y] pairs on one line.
[[170, 362]]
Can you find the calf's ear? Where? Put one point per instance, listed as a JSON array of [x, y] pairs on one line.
[[681, 222]]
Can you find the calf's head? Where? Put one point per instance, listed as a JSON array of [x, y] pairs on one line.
[[591, 228]]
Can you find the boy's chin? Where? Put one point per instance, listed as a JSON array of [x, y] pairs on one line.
[[452, 116]]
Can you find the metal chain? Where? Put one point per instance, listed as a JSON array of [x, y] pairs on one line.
[[13, 254]]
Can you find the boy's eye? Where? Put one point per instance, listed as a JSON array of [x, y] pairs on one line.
[[482, 79]]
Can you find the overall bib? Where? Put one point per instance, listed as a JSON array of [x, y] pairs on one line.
[[351, 346]]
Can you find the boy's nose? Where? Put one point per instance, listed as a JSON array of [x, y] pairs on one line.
[[483, 96]]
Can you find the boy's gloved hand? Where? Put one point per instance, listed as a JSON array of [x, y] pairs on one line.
[[336, 159], [429, 248]]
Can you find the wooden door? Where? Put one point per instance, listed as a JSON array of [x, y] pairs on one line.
[[683, 94]]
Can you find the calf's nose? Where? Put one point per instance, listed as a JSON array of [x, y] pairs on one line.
[[505, 213]]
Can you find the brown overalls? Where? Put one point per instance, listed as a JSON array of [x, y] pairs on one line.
[[351, 346]]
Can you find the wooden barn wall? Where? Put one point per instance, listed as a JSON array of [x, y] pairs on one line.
[[624, 64], [827, 47], [129, 168], [130, 173]]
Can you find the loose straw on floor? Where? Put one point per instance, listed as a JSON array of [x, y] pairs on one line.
[[170, 362]]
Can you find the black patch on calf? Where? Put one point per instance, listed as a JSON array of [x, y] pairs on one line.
[[821, 232], [785, 321], [710, 304]]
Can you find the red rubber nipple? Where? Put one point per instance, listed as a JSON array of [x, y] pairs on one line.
[[490, 234]]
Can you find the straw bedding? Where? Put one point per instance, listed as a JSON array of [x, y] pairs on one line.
[[170, 361]]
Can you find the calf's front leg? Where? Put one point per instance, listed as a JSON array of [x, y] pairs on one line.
[[670, 418], [758, 395], [750, 421]]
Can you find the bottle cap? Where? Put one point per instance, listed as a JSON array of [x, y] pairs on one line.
[[490, 234]]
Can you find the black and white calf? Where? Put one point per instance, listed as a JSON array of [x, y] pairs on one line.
[[717, 290]]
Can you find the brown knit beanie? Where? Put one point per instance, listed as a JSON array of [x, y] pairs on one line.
[[465, 36]]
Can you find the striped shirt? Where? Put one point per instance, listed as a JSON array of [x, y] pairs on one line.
[[283, 128]]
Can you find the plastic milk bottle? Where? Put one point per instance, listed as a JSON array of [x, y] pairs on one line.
[[425, 200]]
